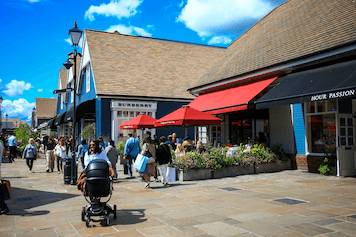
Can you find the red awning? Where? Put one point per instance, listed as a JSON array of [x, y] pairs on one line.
[[139, 122], [186, 116], [230, 100]]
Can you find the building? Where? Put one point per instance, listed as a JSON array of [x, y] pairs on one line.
[[43, 114], [10, 124], [122, 76], [292, 79]]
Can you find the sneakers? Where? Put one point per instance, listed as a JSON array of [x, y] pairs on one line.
[[4, 211], [47, 170], [147, 185]]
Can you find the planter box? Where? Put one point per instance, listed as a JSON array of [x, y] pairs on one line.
[[274, 167], [232, 171], [194, 174]]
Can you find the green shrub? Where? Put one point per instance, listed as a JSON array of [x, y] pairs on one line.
[[324, 168], [120, 147], [280, 153]]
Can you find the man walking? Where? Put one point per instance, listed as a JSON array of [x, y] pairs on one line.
[[12, 147], [132, 149]]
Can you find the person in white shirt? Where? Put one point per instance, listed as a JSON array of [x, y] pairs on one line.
[[60, 152], [94, 153]]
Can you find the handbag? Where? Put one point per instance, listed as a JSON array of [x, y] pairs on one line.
[[171, 174], [123, 160], [141, 163]]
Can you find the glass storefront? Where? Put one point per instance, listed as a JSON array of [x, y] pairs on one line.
[[321, 126]]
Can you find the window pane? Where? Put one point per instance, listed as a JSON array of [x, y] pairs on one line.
[[350, 131], [342, 132], [331, 105], [311, 107], [342, 121], [349, 122], [321, 133], [350, 141], [320, 106], [343, 141]]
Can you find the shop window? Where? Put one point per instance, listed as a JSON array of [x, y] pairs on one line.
[[119, 113], [322, 133], [132, 114], [125, 114], [202, 134], [215, 135]]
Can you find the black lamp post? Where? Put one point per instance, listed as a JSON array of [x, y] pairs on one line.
[[6, 122], [75, 35], [1, 99]]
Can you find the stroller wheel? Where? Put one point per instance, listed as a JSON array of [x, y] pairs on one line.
[[115, 212], [87, 223], [105, 221], [83, 214]]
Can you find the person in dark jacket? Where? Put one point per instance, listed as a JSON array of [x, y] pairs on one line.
[[163, 158]]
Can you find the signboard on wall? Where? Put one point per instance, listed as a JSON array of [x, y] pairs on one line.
[[333, 95]]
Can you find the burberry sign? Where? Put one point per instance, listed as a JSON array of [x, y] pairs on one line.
[[333, 95]]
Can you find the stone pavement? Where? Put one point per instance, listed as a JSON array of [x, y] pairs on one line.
[[289, 203]]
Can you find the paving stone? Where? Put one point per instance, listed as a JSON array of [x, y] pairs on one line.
[[344, 227], [309, 229], [220, 229], [326, 222], [43, 205]]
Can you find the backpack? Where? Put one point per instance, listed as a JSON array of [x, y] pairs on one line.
[[30, 152]]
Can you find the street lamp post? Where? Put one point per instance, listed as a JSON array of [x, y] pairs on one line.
[[1, 99], [75, 35], [6, 122]]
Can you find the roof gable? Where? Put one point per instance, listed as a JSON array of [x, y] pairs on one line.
[[138, 66], [46, 107]]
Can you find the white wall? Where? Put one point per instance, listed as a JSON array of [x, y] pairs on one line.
[[281, 129]]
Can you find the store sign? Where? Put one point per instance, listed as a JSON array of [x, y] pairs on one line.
[[333, 95]]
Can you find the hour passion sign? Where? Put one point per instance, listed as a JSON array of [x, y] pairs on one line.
[[333, 95]]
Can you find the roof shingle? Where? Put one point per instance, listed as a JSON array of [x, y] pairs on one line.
[[46, 107], [139, 66], [295, 29]]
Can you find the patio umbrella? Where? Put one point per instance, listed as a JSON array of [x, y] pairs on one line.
[[140, 122], [187, 116]]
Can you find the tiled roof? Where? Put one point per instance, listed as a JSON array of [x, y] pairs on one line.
[[295, 29], [45, 107], [146, 67]]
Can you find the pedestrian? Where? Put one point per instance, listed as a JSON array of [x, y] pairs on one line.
[[131, 150], [12, 147], [179, 152], [82, 149], [95, 153], [30, 153], [50, 154], [164, 157], [113, 155], [60, 152], [149, 150], [3, 207], [102, 144], [45, 140]]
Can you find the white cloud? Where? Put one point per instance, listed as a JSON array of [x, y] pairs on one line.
[[14, 87], [209, 17], [19, 108], [33, 1], [0, 80], [220, 40], [115, 8], [129, 30], [40, 90]]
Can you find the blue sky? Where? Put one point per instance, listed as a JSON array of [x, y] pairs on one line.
[[34, 34]]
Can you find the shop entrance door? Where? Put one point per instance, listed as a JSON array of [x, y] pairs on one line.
[[346, 145]]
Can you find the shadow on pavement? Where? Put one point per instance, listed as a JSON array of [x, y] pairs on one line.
[[129, 217], [24, 199], [172, 185]]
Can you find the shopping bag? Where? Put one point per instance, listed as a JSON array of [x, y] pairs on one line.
[[171, 175], [141, 163]]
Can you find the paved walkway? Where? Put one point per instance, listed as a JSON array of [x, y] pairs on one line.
[[243, 206]]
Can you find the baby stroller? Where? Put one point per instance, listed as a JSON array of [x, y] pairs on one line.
[[98, 185]]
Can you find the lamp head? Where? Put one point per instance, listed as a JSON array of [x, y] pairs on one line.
[[68, 64], [75, 34]]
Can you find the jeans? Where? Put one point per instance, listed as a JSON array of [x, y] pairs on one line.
[[59, 163], [29, 162]]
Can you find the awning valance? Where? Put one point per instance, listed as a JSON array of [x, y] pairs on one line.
[[59, 119], [230, 100], [328, 82]]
